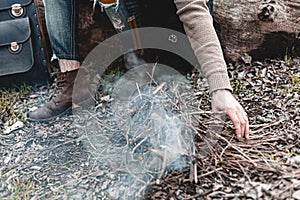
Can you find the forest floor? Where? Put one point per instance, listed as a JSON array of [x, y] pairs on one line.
[[57, 160]]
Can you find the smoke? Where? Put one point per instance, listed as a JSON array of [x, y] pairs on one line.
[[142, 131], [145, 127]]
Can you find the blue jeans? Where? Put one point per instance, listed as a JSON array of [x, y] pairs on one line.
[[60, 20], [210, 6]]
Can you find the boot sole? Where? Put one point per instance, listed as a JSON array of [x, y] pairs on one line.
[[82, 105], [51, 118]]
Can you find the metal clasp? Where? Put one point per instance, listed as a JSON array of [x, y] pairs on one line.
[[104, 4], [14, 46], [17, 10]]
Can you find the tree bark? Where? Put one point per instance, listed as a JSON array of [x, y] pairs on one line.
[[259, 28]]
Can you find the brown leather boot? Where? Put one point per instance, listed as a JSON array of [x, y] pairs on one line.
[[61, 101]]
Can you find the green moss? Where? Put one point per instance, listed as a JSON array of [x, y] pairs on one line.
[[21, 187], [294, 81], [8, 99], [237, 86]]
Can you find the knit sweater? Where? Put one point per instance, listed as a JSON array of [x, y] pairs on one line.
[[198, 25]]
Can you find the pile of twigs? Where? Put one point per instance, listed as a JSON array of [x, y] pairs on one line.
[[264, 167]]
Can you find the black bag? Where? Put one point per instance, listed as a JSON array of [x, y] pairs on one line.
[[22, 54]]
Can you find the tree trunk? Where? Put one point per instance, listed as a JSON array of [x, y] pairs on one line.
[[259, 28]]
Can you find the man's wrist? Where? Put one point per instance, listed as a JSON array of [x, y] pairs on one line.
[[218, 81], [220, 91]]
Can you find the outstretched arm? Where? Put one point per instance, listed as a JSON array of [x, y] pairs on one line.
[[198, 25]]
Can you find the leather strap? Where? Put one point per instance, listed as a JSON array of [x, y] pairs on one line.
[[135, 35], [44, 37]]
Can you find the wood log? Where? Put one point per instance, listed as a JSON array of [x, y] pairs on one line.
[[260, 28]]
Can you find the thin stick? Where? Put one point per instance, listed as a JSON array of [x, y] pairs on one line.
[[139, 144], [267, 126], [237, 149], [159, 88], [205, 112], [163, 168], [138, 88], [211, 172], [195, 167]]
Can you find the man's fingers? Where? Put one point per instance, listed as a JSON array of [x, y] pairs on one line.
[[240, 114], [240, 121], [223, 100], [244, 123], [247, 129], [236, 122]]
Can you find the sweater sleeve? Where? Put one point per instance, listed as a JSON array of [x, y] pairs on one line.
[[198, 25]]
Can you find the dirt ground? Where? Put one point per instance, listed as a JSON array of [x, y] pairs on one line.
[[51, 161]]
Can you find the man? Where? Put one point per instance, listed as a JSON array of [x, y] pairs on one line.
[[198, 26], [61, 23]]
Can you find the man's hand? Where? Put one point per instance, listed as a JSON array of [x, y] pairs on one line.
[[223, 100]]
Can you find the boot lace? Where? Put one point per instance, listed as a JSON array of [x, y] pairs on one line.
[[59, 84]]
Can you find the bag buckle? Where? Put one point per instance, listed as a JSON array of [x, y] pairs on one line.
[[17, 10], [14, 46]]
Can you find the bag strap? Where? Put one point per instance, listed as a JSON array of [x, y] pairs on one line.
[[44, 37]]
